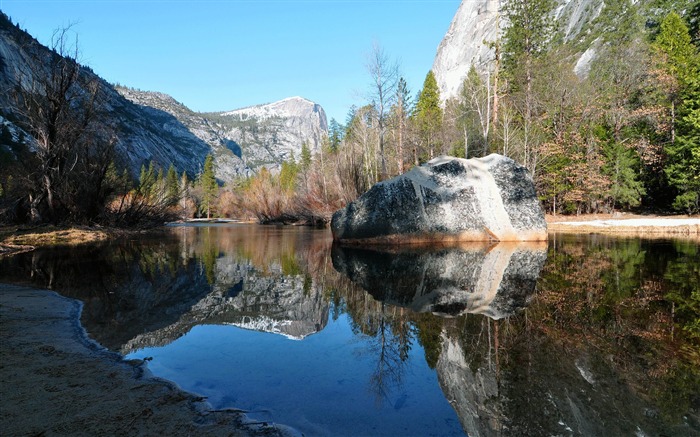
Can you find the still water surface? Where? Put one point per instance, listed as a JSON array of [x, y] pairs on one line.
[[586, 335]]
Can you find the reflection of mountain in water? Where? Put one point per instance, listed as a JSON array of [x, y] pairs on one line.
[[491, 280], [250, 299]]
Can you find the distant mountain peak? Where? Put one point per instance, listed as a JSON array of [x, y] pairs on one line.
[[287, 107]]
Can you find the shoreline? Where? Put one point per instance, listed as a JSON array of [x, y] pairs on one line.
[[54, 380], [14, 240], [686, 227]]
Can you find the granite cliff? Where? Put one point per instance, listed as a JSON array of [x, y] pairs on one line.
[[152, 126]]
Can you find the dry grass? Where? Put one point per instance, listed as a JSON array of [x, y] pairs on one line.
[[15, 239], [49, 236]]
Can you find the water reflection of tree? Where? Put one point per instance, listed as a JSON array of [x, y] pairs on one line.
[[619, 309], [613, 297], [630, 310], [209, 254]]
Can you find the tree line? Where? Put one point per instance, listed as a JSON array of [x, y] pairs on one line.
[[623, 135]]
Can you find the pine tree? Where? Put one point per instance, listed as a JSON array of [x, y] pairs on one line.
[[172, 185], [305, 157], [621, 167], [335, 134], [288, 174], [207, 182], [683, 63], [428, 116], [147, 179], [528, 35]]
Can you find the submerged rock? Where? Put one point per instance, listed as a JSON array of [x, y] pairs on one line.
[[445, 200]]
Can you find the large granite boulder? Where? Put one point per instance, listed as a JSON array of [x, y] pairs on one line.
[[446, 200]]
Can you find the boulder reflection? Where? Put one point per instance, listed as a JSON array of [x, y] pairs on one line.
[[493, 280]]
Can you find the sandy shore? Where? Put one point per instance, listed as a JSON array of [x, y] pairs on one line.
[[55, 381], [631, 225]]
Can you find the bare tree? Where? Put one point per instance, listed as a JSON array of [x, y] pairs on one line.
[[401, 113], [475, 96], [59, 103], [384, 74]]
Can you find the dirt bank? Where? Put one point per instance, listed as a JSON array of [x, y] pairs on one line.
[[55, 381]]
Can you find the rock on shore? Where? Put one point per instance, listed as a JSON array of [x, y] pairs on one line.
[[446, 200]]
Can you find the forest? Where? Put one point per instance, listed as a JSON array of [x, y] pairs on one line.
[[624, 136]]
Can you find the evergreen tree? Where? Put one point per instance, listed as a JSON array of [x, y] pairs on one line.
[[528, 33], [147, 179], [159, 189], [335, 134], [172, 185], [288, 174], [683, 64], [208, 185], [621, 167], [305, 157], [428, 116]]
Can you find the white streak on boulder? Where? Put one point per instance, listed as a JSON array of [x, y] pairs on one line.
[[445, 200]]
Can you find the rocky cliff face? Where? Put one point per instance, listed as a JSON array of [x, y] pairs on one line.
[[463, 45], [151, 126], [479, 21], [272, 133], [140, 134], [177, 119], [244, 140]]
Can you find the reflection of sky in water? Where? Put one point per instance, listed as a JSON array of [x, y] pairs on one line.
[[322, 385], [597, 348]]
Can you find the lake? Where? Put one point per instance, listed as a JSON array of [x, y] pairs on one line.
[[583, 335]]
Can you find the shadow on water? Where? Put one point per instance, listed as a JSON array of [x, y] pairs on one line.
[[587, 335]]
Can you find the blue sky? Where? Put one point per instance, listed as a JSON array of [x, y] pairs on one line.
[[216, 55]]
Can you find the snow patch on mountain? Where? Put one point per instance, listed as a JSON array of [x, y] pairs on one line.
[[289, 107]]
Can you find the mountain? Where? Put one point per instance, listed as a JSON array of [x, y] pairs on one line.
[[245, 140], [140, 134], [274, 132], [152, 126], [174, 117], [478, 22]]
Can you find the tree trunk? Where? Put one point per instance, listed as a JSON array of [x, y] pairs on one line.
[[34, 214]]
